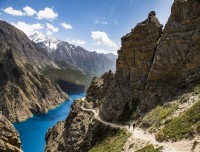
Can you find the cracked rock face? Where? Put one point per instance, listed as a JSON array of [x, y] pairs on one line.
[[137, 53], [24, 91], [9, 137], [126, 88], [176, 62], [153, 65]]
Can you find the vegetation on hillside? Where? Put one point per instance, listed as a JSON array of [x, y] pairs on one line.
[[69, 79], [183, 126], [155, 118], [112, 141], [149, 148]]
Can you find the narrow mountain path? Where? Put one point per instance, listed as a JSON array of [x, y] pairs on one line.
[[96, 115], [143, 137], [147, 138]]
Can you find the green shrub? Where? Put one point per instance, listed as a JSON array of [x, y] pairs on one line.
[[154, 118], [112, 142], [182, 126], [150, 148]]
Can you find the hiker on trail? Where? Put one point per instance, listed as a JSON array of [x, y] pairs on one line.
[[133, 125], [129, 125]]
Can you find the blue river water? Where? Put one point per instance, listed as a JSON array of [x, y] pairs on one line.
[[32, 131]]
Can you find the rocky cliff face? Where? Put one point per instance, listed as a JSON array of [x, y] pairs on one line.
[[9, 137], [78, 133], [152, 66], [24, 91], [135, 59], [176, 61]]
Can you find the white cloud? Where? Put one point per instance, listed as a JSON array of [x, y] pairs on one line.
[[28, 28], [106, 21], [100, 21], [52, 28], [100, 51], [11, 11], [77, 42], [47, 13], [29, 11], [101, 38], [66, 26]]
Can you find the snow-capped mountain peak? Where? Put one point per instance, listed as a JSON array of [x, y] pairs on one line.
[[37, 37], [51, 43]]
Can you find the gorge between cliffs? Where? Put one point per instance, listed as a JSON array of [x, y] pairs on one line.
[[151, 103]]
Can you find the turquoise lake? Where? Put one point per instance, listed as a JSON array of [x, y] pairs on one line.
[[32, 131]]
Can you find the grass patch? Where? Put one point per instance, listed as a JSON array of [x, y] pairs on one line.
[[149, 148], [112, 142], [183, 126], [154, 118]]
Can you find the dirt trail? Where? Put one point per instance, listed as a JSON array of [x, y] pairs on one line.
[[99, 119], [139, 135]]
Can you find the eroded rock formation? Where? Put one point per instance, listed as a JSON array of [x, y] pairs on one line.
[[176, 62], [9, 137], [24, 91]]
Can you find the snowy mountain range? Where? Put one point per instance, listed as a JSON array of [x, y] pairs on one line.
[[65, 53]]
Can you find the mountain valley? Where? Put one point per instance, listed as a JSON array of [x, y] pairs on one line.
[[145, 99]]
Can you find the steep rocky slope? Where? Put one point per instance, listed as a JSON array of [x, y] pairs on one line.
[[9, 137], [25, 50], [133, 65], [155, 69], [152, 67], [62, 51], [80, 131], [24, 90], [176, 60]]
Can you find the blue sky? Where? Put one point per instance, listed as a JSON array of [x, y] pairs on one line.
[[96, 25]]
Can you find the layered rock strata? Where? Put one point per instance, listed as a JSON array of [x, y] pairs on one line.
[[153, 65], [24, 91], [176, 62], [9, 137]]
